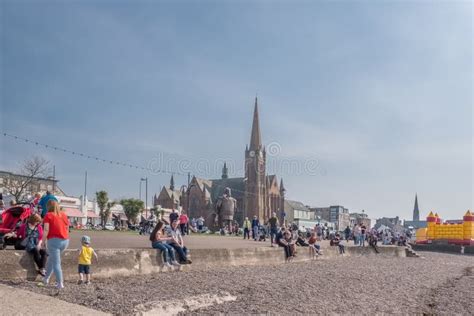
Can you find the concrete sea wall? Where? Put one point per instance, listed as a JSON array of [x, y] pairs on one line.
[[18, 265]]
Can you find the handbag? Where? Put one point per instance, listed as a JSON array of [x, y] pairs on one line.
[[24, 242]]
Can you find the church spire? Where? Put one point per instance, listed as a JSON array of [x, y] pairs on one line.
[[282, 188], [255, 138], [172, 183], [225, 172], [416, 211]]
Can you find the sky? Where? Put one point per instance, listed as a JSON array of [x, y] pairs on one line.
[[362, 103]]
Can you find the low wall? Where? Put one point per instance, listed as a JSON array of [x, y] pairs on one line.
[[440, 247], [127, 262]]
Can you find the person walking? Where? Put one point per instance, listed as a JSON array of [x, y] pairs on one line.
[[356, 234], [85, 260], [363, 230], [55, 240], [347, 233], [246, 226], [173, 215], [319, 232], [43, 202], [183, 224], [255, 225], [273, 223]]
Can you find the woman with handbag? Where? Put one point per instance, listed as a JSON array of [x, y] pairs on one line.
[[30, 235], [55, 240]]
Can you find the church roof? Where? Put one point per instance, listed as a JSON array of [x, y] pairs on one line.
[[175, 193], [295, 205], [203, 183], [271, 178]]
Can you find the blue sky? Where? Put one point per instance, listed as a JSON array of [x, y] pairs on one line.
[[375, 97]]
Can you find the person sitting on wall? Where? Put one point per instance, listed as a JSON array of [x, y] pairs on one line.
[[178, 244], [300, 241], [314, 248], [373, 240], [159, 240], [283, 239], [29, 237], [338, 242]]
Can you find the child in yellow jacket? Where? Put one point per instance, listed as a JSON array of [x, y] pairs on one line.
[[85, 260]]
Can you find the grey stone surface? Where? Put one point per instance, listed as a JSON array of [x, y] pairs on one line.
[[15, 301], [127, 262]]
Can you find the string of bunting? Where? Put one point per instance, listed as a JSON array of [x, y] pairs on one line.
[[98, 159], [87, 156]]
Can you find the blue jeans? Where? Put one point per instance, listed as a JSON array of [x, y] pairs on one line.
[[167, 250], [362, 240], [55, 247], [182, 252], [255, 232], [273, 232]]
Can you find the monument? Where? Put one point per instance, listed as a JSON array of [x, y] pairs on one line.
[[225, 209]]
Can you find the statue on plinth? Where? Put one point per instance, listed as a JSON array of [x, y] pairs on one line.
[[226, 207]]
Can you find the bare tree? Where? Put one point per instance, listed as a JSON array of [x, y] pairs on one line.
[[18, 185]]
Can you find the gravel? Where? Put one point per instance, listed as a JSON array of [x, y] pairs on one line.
[[435, 284]]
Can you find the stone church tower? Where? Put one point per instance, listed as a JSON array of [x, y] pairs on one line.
[[255, 180]]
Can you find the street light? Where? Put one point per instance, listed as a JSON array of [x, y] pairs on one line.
[[146, 194]]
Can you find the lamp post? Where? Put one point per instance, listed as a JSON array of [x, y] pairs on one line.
[[146, 194]]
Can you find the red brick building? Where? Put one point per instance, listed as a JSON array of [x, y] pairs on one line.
[[257, 193]]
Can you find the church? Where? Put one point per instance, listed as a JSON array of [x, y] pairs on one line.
[[257, 193]]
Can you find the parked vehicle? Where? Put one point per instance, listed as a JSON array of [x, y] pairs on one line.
[[109, 226]]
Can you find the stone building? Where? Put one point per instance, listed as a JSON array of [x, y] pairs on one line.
[[169, 197], [36, 185], [361, 219], [299, 214], [389, 222], [336, 214], [257, 193]]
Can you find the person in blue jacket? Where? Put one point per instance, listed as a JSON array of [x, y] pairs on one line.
[[43, 203], [255, 225]]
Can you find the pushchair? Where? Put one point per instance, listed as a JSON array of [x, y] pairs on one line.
[[11, 222], [262, 233]]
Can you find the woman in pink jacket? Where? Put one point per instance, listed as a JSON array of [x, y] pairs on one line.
[[31, 235]]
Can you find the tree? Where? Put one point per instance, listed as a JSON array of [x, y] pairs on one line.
[[132, 208], [18, 185], [104, 205]]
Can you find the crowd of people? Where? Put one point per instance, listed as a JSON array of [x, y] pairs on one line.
[[45, 235]]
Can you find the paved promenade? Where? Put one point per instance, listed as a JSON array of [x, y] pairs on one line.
[[15, 301], [115, 239]]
